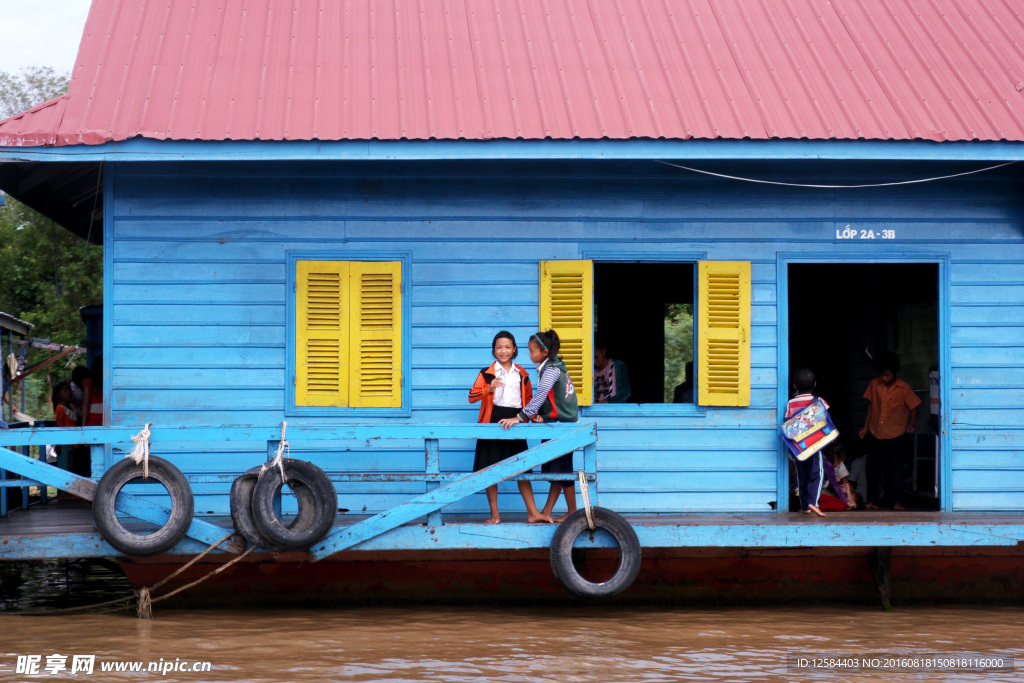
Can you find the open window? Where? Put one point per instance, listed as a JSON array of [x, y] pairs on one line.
[[644, 314], [682, 329]]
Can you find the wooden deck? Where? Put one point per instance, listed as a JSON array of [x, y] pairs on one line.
[[65, 530]]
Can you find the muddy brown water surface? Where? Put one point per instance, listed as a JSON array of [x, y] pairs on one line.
[[592, 643]]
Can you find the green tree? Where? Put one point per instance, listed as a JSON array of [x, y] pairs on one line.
[[47, 272], [34, 85], [678, 345]]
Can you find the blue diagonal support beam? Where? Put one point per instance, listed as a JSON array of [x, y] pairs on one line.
[[452, 492], [30, 468], [136, 506]]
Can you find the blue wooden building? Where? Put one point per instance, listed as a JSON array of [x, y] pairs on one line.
[[204, 273], [332, 253]]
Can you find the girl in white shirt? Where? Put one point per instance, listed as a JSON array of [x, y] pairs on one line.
[[503, 388]]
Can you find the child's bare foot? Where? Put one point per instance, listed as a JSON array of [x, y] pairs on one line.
[[897, 506], [816, 510], [559, 520], [539, 517], [493, 520], [871, 506]]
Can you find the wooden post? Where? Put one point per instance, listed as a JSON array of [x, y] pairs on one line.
[[880, 561], [433, 456], [272, 447], [590, 467]]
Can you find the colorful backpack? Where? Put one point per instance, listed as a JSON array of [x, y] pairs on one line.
[[809, 431]]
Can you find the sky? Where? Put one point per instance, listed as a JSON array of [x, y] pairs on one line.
[[40, 33]]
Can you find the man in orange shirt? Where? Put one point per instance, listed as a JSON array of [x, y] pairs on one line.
[[892, 414]]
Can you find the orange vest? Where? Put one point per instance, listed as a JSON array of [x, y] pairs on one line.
[[479, 390]]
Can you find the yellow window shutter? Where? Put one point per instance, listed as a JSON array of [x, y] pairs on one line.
[[567, 306], [375, 380], [321, 333], [723, 356]]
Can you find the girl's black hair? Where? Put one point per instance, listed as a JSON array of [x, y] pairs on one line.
[[56, 392], [548, 341], [505, 334], [96, 372], [79, 375]]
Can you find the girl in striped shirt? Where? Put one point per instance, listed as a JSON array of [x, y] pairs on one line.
[[555, 401]]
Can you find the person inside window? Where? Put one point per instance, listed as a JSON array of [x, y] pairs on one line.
[[611, 379]]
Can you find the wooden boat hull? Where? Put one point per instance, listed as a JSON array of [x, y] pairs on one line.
[[667, 576]]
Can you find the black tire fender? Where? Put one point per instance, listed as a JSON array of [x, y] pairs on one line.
[[241, 509], [561, 554], [324, 506], [164, 538]]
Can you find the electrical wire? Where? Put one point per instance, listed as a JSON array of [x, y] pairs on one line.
[[834, 187], [92, 220]]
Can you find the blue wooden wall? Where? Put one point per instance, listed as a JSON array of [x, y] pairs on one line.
[[197, 253]]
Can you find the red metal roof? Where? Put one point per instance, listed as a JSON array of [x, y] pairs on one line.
[[535, 69]]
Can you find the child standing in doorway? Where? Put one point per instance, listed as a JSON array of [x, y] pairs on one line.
[[812, 472], [891, 415], [555, 401], [503, 389]]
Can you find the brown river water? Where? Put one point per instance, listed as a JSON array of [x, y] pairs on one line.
[[603, 644], [591, 643]]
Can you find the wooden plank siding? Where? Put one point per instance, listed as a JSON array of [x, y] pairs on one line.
[[199, 335]]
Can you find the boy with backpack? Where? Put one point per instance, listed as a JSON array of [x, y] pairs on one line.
[[817, 429]]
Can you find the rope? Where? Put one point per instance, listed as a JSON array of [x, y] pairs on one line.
[[586, 500], [278, 460], [834, 187], [143, 594], [140, 454], [188, 564], [80, 608], [144, 610], [198, 581]]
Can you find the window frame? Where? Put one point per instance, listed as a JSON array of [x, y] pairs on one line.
[[292, 259], [650, 409]]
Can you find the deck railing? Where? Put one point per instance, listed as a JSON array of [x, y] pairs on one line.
[[441, 488]]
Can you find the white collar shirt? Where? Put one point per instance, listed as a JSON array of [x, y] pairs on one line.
[[509, 395]]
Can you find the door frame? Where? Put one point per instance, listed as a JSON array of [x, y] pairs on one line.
[[783, 261]]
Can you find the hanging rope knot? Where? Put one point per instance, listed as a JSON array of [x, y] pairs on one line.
[[278, 461], [144, 609], [585, 490], [140, 454]]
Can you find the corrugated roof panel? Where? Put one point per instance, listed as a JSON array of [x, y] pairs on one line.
[[535, 69], [35, 127], [9, 322]]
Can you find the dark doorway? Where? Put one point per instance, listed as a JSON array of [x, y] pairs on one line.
[[843, 315]]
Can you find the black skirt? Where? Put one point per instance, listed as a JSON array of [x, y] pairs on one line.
[[560, 465], [490, 451]]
